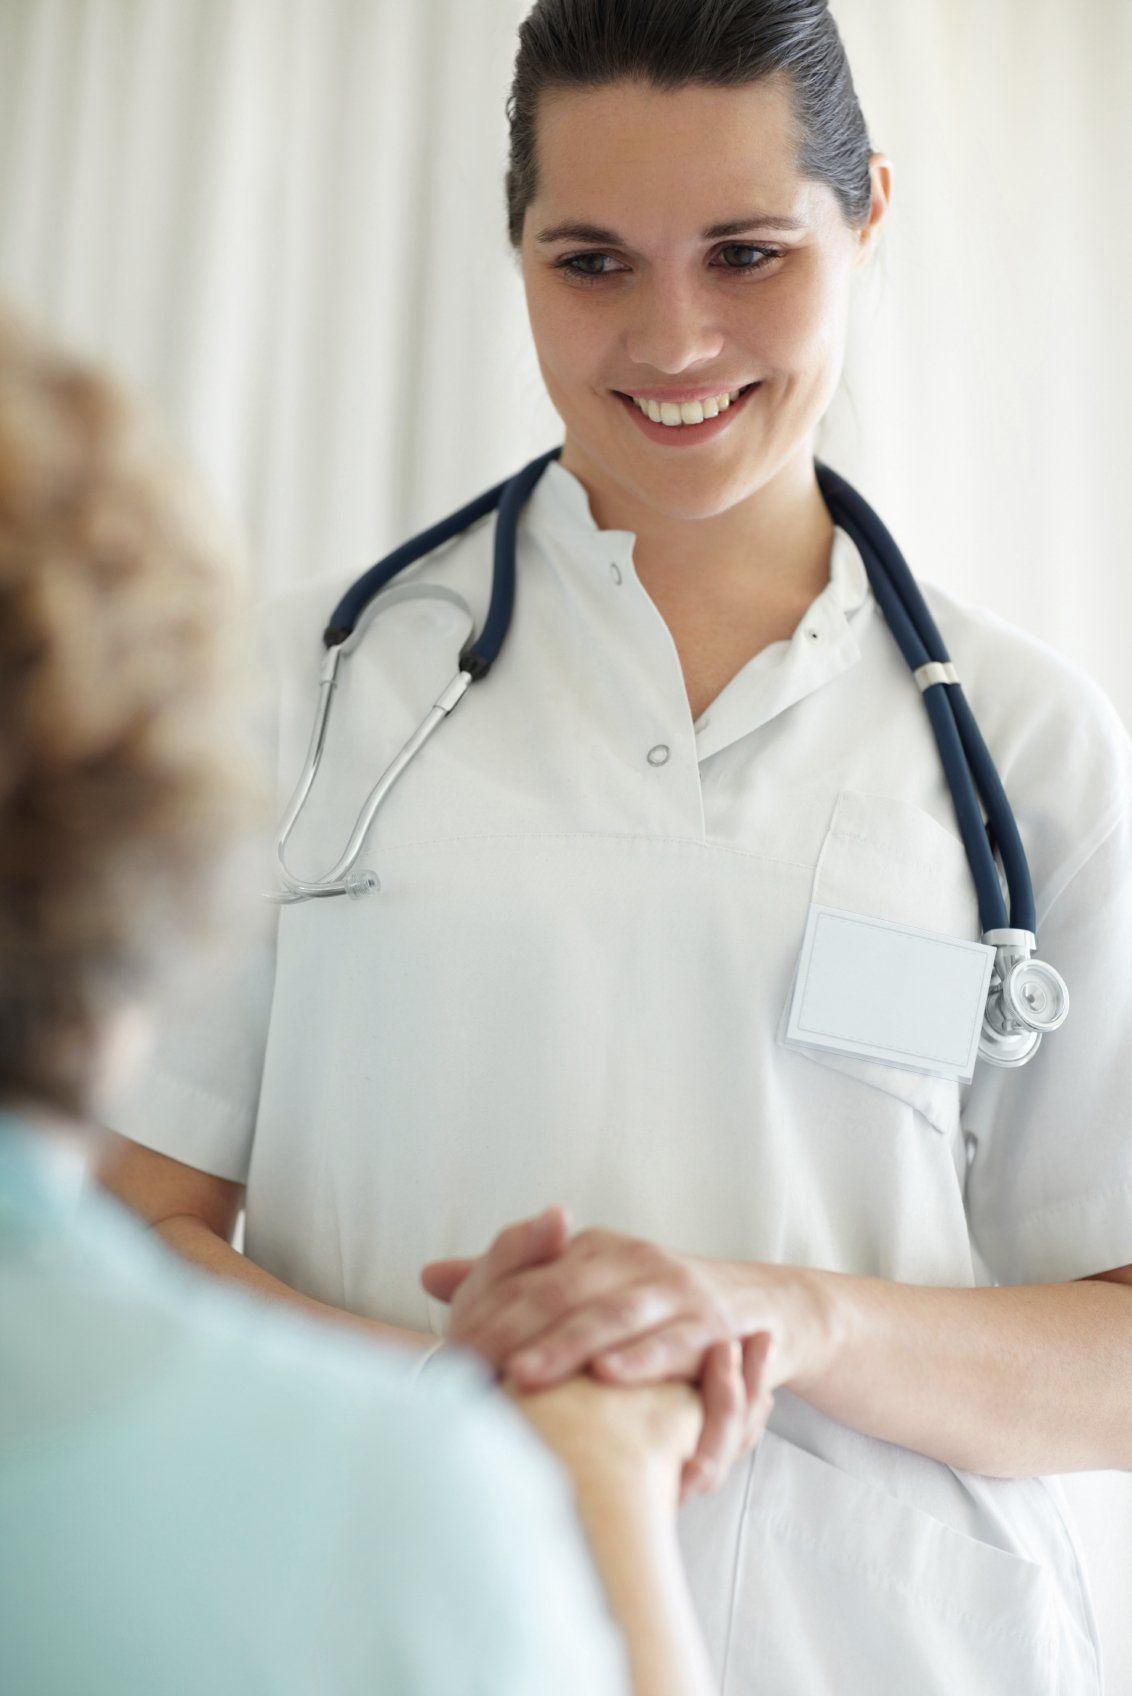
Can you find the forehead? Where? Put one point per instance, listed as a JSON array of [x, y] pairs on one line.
[[629, 152]]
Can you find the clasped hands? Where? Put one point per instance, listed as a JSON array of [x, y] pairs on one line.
[[542, 1305]]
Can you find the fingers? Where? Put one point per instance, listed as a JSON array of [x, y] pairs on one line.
[[725, 1408], [518, 1247], [755, 1352], [604, 1321], [528, 1243], [442, 1278], [748, 1389], [552, 1305], [672, 1350], [760, 1400]]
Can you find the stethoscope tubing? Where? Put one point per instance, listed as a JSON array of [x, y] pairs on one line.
[[971, 774], [970, 770]]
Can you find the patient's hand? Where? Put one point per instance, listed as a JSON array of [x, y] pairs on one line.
[[626, 1447], [640, 1434]]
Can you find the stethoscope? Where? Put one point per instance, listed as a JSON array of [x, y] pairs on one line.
[[1026, 998]]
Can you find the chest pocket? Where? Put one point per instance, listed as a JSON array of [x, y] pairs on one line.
[[889, 859]]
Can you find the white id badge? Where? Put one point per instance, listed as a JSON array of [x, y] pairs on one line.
[[910, 998]]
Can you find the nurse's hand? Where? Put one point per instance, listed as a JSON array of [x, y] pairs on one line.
[[582, 1298]]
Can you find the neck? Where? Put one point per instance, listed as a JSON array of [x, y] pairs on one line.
[[772, 545]]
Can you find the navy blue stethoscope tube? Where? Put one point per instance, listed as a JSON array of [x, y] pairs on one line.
[[970, 771], [967, 762]]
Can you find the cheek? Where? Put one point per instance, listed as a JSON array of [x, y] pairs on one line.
[[568, 338], [803, 323]]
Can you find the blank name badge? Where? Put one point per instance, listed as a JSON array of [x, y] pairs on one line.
[[909, 998]]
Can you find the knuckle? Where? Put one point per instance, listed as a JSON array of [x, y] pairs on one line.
[[733, 1394], [622, 1310], [697, 1291], [502, 1317], [655, 1262], [551, 1295]]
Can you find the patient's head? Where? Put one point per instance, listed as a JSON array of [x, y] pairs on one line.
[[118, 686]]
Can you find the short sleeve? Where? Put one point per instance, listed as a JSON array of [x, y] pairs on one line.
[[1049, 1181], [487, 1585], [197, 1094]]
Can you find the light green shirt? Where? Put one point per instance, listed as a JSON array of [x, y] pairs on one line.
[[199, 1493]]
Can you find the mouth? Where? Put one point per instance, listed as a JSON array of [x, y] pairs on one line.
[[684, 433]]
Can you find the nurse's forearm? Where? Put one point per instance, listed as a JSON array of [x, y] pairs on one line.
[[194, 1240], [1011, 1382]]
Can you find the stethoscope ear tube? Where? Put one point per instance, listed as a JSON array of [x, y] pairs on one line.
[[1001, 822], [359, 595], [479, 655], [910, 621], [476, 659], [1027, 997]]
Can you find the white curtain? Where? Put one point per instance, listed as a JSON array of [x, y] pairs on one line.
[[284, 221]]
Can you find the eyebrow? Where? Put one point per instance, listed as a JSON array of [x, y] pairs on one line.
[[575, 231]]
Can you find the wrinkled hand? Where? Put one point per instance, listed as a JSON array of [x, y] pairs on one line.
[[627, 1309]]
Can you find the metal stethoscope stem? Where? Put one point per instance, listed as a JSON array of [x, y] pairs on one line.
[[342, 878]]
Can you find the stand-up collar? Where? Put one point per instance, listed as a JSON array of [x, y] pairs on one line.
[[825, 643]]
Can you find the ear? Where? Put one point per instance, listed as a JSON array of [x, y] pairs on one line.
[[881, 174], [442, 1278]]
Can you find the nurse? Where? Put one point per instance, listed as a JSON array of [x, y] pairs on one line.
[[574, 983]]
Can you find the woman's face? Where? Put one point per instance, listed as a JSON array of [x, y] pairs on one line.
[[657, 306]]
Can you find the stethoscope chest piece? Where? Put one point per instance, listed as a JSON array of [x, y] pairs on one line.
[[1027, 998]]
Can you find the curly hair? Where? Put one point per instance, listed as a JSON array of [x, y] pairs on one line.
[[118, 688]]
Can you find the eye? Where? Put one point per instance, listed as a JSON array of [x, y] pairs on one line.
[[766, 254], [573, 260], [571, 265]]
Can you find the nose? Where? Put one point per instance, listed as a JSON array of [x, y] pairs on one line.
[[672, 328]]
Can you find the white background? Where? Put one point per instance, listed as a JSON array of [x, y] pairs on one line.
[[284, 221]]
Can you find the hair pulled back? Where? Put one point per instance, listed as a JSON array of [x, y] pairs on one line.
[[673, 44]]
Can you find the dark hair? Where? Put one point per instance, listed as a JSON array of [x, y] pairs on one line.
[[676, 43]]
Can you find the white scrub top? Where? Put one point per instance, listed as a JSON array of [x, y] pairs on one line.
[[202, 1493], [573, 987]]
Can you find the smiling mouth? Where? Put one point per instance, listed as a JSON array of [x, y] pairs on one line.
[[719, 403], [669, 420]]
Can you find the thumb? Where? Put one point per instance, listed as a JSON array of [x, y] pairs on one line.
[[442, 1278], [526, 1243]]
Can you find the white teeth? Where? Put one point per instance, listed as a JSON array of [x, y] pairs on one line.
[[687, 412]]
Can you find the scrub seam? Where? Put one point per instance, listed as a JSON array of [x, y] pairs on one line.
[[783, 1527], [889, 852], [390, 849], [1076, 1201], [1087, 1619], [737, 1567]]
